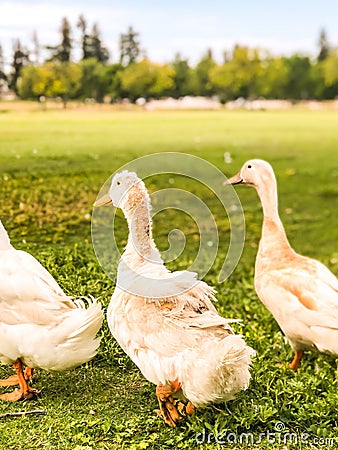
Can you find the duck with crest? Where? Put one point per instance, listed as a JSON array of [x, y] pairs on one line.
[[300, 292], [165, 321], [40, 326]]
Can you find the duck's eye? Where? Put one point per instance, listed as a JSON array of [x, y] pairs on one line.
[[118, 183], [249, 166]]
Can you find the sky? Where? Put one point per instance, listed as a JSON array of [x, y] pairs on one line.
[[188, 27]]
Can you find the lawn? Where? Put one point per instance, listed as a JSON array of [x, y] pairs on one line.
[[52, 166]]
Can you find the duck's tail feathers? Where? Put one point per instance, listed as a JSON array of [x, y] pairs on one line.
[[225, 373], [92, 314], [80, 329], [234, 350], [233, 360]]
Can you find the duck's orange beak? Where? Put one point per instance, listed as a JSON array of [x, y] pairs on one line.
[[236, 179], [105, 200]]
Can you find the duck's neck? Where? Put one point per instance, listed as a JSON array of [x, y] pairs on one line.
[[274, 242], [269, 199], [140, 245]]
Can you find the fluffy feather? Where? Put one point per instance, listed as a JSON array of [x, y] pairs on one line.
[[39, 323]]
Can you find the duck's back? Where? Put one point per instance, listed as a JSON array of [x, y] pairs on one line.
[[28, 293]]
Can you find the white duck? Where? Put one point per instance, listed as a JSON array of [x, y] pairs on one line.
[[300, 292], [39, 325], [165, 320]]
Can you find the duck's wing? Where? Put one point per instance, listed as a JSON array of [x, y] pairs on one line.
[[168, 326], [189, 292], [167, 311], [319, 286], [304, 293], [323, 273], [304, 304], [28, 293], [157, 282], [177, 331]]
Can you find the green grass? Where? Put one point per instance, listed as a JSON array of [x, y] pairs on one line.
[[52, 166]]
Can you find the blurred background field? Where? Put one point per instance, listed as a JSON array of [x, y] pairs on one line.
[[52, 165]]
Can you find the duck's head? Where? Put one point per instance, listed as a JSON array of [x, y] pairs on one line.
[[126, 187], [255, 172]]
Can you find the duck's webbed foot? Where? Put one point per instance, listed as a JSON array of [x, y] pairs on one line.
[[13, 380], [20, 378], [14, 396], [168, 411]]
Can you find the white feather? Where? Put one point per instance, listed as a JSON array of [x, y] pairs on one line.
[[39, 323]]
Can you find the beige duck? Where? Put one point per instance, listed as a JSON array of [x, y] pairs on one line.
[[300, 292], [165, 321], [40, 326]]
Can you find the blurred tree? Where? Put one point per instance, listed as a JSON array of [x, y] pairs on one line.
[[95, 48], [114, 74], [36, 48], [164, 80], [299, 81], [66, 81], [62, 52], [324, 46], [238, 76], [20, 59], [203, 68], [330, 71], [221, 80], [53, 79], [82, 25], [34, 82], [317, 82], [136, 80], [245, 72], [3, 77], [272, 80], [94, 81], [129, 47], [185, 78], [226, 55], [146, 79], [91, 44]]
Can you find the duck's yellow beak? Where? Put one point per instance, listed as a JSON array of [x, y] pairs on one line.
[[236, 179], [105, 200]]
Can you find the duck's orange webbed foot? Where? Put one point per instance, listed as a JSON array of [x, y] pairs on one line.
[[168, 411], [14, 396], [20, 378], [13, 380], [296, 360]]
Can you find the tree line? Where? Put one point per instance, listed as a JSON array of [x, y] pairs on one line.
[[244, 72]]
